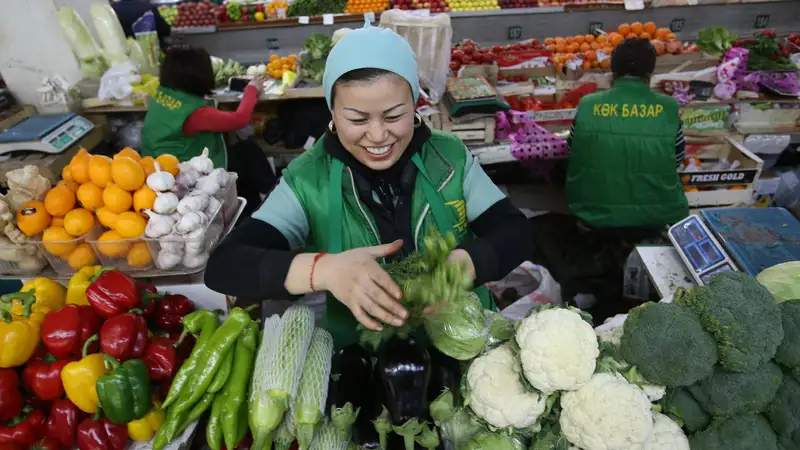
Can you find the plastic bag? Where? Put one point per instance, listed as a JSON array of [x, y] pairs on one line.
[[147, 37], [25, 184], [116, 82], [535, 281]]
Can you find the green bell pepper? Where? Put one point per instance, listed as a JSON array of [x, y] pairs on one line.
[[125, 392]]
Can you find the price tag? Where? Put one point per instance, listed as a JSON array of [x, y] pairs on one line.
[[762, 21], [634, 5], [595, 27], [601, 56], [303, 20], [676, 26], [514, 33], [369, 17], [327, 19], [574, 63]]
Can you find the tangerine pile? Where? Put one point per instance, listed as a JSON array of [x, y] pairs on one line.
[[278, 65], [362, 6]]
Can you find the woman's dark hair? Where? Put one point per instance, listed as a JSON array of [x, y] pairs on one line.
[[358, 76], [188, 69], [634, 57]]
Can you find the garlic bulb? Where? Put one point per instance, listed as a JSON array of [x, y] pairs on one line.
[[187, 177], [172, 243], [165, 203], [223, 177], [167, 260], [158, 225], [194, 260], [195, 240], [202, 163], [208, 184], [159, 180], [213, 206], [190, 222], [194, 201]]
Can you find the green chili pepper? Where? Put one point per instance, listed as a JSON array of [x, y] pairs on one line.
[[214, 427], [224, 371], [236, 389], [213, 354], [124, 393], [169, 429], [204, 323]]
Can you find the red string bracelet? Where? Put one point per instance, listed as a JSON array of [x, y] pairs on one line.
[[313, 268]]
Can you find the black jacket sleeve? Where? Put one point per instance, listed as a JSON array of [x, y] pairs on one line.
[[251, 262], [503, 242]]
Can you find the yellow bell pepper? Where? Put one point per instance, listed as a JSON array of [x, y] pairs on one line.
[[19, 335], [80, 379], [76, 289], [49, 294], [145, 428]]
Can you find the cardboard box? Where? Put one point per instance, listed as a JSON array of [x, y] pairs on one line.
[[723, 187]]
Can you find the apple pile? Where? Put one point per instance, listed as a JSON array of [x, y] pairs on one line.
[[197, 15], [793, 43], [467, 53], [436, 6]]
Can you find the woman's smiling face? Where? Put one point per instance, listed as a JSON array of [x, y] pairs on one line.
[[374, 119]]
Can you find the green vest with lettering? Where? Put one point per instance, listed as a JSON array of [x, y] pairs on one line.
[[622, 159], [338, 220], [163, 128]]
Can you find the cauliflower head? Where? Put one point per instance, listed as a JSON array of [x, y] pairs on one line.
[[607, 413], [496, 393], [558, 350], [667, 435]]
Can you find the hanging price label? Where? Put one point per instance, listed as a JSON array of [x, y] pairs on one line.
[[676, 26], [514, 33], [762, 21]]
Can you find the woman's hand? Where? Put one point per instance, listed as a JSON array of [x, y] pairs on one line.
[[358, 281], [258, 82], [461, 255]]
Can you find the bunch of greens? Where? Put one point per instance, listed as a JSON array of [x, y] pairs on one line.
[[765, 53], [223, 71], [715, 40], [234, 10], [315, 7], [312, 59]]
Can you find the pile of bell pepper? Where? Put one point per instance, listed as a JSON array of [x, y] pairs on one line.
[[87, 366]]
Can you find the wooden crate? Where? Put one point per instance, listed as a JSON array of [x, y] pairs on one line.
[[477, 130]]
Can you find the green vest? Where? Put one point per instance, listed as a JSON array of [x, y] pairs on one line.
[[622, 159], [163, 128], [339, 221]]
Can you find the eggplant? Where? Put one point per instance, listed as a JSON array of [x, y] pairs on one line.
[[351, 370], [445, 374], [364, 432], [404, 368]]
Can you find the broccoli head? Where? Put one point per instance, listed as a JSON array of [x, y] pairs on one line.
[[741, 315], [784, 413], [728, 393], [668, 345], [679, 404], [788, 354], [743, 432]]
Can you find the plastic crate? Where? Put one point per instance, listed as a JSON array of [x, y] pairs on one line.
[[61, 254], [202, 244], [124, 254], [230, 203], [21, 259]]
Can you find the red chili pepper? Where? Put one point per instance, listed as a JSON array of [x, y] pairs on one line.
[[124, 337], [46, 444], [101, 435], [171, 310], [25, 430], [10, 395], [62, 425], [161, 359], [65, 330], [43, 377], [112, 293]]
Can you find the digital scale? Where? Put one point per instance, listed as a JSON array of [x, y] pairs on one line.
[[733, 239], [49, 133]]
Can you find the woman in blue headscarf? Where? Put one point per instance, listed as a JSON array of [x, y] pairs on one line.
[[370, 189]]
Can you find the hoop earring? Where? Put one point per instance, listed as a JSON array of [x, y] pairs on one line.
[[417, 120], [331, 127]]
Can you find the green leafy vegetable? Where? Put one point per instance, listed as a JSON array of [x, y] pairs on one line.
[[715, 40], [782, 281]]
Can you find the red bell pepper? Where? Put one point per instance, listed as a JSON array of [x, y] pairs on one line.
[[171, 310], [101, 435], [25, 430], [46, 444], [12, 446], [10, 395], [161, 359], [62, 425], [184, 344], [65, 330], [124, 337], [112, 293], [149, 296], [43, 377]]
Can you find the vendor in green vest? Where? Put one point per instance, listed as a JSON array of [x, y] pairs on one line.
[[367, 192], [625, 146]]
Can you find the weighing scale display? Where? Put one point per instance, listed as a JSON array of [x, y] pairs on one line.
[[699, 249]]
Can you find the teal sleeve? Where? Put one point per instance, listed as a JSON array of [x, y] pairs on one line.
[[480, 192], [283, 211]]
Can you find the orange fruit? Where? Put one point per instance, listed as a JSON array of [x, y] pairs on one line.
[[66, 173], [139, 255], [32, 217], [570, 39], [578, 39], [608, 50], [274, 58], [112, 245], [631, 36], [585, 47], [148, 165], [128, 152], [130, 224], [127, 173], [57, 222], [58, 242], [624, 29], [82, 256], [168, 163], [71, 185], [637, 28], [574, 47], [78, 222], [601, 38], [550, 47], [549, 41], [79, 166], [671, 37], [587, 65], [650, 28], [100, 170], [561, 48], [59, 200], [590, 55], [615, 38], [143, 198], [589, 38], [605, 64], [106, 218], [116, 199], [90, 196], [662, 33], [645, 35], [596, 45]]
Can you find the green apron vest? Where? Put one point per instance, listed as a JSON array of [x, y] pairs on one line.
[[622, 160], [338, 221], [163, 128]]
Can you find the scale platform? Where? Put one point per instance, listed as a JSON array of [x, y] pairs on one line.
[[49, 133]]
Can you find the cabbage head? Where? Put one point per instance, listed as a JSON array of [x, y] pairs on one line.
[[782, 281], [459, 329]]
